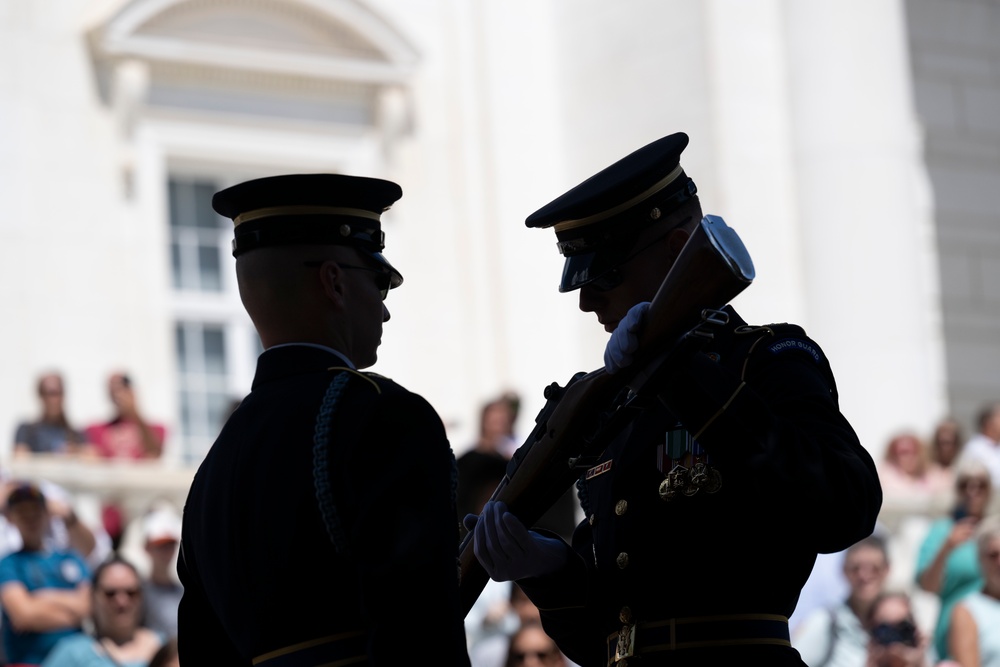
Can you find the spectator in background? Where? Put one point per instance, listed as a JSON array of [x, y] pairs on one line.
[[907, 473], [947, 564], [118, 638], [974, 637], [530, 645], [52, 432], [65, 530], [480, 471], [984, 446], [128, 434], [45, 594], [489, 649], [837, 636], [492, 651], [946, 443], [162, 590], [482, 467], [895, 639]]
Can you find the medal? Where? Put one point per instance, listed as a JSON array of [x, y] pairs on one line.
[[714, 482]]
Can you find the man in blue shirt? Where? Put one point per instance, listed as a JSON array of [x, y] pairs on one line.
[[45, 594]]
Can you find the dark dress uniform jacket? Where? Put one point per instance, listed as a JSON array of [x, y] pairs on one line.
[[795, 482], [333, 536]]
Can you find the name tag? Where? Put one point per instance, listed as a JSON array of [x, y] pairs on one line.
[[599, 469]]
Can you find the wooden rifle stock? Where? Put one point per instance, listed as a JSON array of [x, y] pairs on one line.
[[575, 424]]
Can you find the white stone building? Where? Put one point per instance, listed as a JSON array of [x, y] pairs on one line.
[[854, 146]]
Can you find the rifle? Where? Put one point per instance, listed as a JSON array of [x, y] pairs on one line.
[[578, 421]]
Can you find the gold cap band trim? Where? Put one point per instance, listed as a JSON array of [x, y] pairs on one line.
[[303, 210], [603, 215]]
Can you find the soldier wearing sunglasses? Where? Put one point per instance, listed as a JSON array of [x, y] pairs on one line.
[[705, 515], [296, 548]]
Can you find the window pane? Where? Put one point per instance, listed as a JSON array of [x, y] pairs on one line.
[[175, 264], [205, 216], [215, 352], [209, 268], [179, 339]]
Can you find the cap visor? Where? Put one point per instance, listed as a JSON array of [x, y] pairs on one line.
[[397, 278], [578, 270]]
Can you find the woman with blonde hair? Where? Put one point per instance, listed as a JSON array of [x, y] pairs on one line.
[[907, 473]]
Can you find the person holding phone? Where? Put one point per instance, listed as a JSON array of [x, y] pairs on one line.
[[129, 434], [895, 640], [947, 563]]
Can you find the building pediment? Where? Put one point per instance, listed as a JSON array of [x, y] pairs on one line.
[[327, 39]]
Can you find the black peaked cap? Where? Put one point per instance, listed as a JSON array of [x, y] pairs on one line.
[[597, 221], [310, 209]]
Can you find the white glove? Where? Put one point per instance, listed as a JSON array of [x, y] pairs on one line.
[[625, 339], [507, 550]]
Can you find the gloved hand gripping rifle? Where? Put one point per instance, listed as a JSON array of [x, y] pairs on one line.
[[575, 425]]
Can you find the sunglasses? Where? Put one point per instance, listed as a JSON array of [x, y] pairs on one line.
[[612, 278], [383, 277], [112, 593], [973, 485]]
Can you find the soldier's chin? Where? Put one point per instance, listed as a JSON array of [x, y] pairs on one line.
[[368, 361]]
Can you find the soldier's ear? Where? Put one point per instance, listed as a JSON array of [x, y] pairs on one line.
[[331, 277]]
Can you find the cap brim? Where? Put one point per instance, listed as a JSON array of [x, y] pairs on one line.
[[397, 278], [584, 268]]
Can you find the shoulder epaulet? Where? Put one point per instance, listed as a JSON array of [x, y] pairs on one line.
[[783, 338]]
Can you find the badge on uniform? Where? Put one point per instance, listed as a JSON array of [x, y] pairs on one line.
[[685, 465]]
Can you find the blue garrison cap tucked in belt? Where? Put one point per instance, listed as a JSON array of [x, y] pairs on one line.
[[676, 634], [345, 648]]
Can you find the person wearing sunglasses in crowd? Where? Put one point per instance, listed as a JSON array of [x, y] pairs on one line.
[[118, 637], [947, 563], [323, 517], [530, 646], [705, 515]]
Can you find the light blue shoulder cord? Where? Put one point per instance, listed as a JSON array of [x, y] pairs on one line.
[[321, 463]]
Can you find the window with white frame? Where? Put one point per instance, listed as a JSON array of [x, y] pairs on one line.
[[311, 86], [214, 341]]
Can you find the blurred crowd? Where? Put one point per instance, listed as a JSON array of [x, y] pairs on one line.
[[922, 591], [76, 589]]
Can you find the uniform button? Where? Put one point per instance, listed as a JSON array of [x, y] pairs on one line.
[[621, 507], [622, 560], [625, 615]]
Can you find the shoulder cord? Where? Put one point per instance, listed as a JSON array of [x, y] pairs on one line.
[[321, 463]]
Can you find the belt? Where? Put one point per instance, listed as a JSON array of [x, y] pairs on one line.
[[695, 632], [345, 648]]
